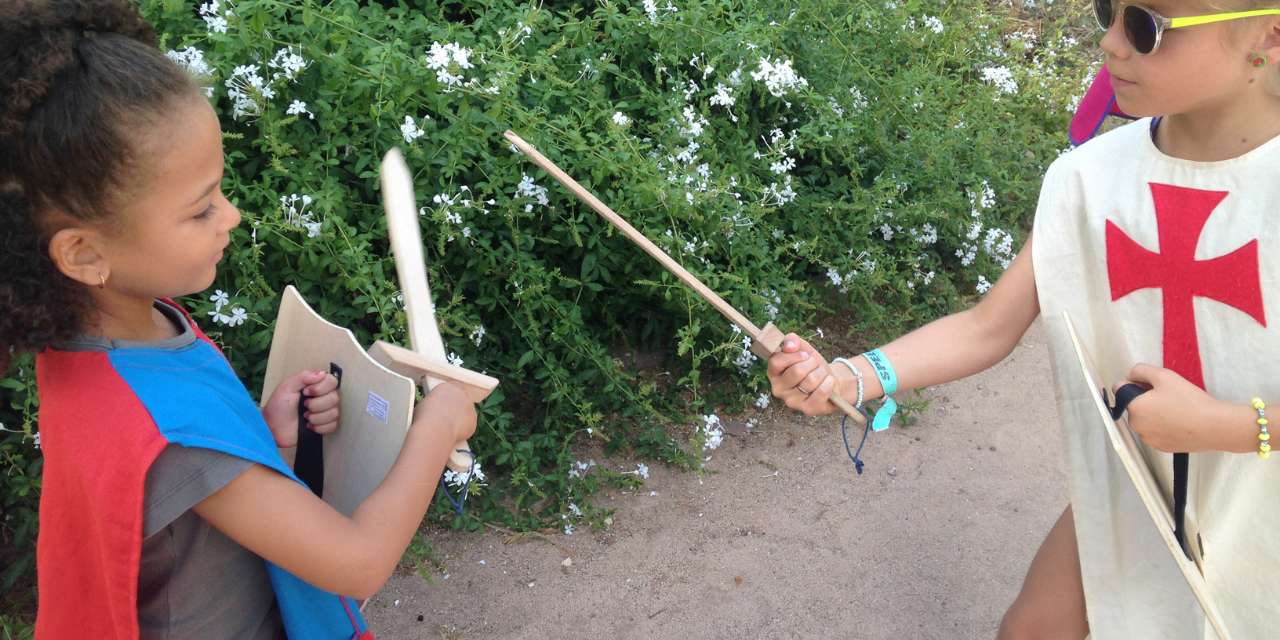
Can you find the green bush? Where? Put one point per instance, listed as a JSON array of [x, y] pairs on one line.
[[803, 158]]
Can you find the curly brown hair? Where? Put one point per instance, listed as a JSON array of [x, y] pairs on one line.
[[78, 81]]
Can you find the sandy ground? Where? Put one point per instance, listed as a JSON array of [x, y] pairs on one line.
[[932, 541]]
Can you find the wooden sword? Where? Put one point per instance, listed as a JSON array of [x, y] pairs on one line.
[[764, 342], [427, 362]]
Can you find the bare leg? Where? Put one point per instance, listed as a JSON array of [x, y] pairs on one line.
[[1051, 604]]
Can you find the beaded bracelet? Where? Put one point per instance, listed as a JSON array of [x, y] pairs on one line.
[[856, 373], [1264, 449]]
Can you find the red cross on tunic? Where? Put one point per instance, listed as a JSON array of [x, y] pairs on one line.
[[1232, 279]]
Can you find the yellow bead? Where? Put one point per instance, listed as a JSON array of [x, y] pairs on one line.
[[1264, 436], [1264, 447], [1257, 403], [1262, 421], [1264, 454]]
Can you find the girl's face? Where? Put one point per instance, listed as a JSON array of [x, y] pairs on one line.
[[1196, 68], [172, 233]]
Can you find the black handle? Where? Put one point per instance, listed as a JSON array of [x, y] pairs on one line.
[[1181, 466], [308, 460], [1124, 395]]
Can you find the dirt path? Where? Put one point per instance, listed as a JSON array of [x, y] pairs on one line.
[[936, 549]]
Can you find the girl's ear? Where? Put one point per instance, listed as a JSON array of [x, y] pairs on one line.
[[1270, 45], [76, 251]]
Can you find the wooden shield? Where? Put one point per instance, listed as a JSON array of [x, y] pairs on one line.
[[1135, 463], [376, 403]]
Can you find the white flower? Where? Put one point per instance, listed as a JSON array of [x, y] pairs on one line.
[[455, 478], [642, 470], [763, 401], [983, 285], [528, 189], [447, 57], [219, 298], [713, 431], [568, 528], [859, 102], [724, 96], [783, 166], [238, 316], [219, 317], [289, 63], [835, 277], [577, 468], [745, 358], [1001, 78], [477, 334], [411, 130], [933, 24], [573, 508], [651, 8], [777, 197], [191, 59], [461, 479], [455, 359], [621, 119], [298, 216], [36, 438], [248, 91], [779, 78], [215, 19], [298, 107]]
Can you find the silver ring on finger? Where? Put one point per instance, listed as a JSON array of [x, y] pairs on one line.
[[802, 390]]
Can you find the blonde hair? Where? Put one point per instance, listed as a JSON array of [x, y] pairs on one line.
[[1271, 76]]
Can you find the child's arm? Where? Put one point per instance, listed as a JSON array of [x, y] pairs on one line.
[[281, 410], [282, 521], [946, 349]]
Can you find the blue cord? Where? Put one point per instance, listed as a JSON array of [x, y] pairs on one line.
[[866, 429], [457, 504]]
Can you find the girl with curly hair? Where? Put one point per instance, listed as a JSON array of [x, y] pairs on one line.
[[166, 509]]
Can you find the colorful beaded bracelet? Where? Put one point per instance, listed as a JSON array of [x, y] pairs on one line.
[[1264, 449]]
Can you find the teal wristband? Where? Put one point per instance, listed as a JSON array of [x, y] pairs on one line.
[[889, 381]]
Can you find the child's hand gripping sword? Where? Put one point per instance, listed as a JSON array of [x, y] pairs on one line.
[[765, 342], [427, 362]]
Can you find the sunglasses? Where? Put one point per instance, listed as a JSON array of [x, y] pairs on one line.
[[1143, 27]]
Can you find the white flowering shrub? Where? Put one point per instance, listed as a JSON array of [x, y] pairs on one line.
[[802, 158]]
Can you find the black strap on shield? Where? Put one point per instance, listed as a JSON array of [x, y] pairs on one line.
[[1181, 464], [308, 460]]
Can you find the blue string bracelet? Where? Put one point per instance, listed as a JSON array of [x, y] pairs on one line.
[[466, 486], [865, 430]]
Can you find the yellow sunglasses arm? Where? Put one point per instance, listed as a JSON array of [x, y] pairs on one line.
[[1192, 21]]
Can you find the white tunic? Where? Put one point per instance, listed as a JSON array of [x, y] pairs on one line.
[[1118, 244]]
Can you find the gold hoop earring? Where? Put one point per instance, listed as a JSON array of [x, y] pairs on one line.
[[103, 283]]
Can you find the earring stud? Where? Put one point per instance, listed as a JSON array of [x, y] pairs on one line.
[[1259, 62]]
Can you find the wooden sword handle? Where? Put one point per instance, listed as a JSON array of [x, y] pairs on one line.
[[406, 246], [768, 341]]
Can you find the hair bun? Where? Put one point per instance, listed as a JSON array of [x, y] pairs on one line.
[[39, 39]]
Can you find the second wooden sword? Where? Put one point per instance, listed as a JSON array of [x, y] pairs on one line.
[[764, 342]]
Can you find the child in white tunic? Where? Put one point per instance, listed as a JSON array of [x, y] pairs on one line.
[[1158, 239]]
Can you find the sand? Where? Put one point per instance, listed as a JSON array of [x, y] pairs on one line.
[[931, 541]]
